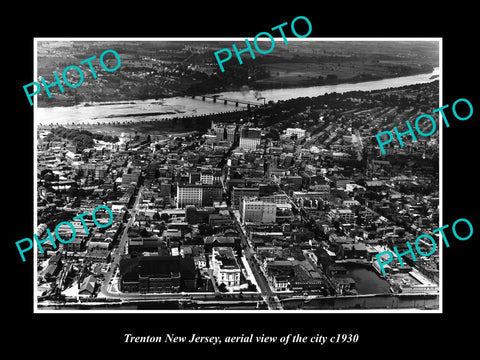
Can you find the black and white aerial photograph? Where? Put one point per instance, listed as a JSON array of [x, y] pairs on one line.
[[211, 179], [261, 187]]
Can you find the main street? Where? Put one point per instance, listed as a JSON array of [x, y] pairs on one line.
[[121, 249], [106, 288], [268, 296]]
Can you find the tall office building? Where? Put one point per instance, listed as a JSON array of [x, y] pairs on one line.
[[188, 194], [224, 131], [165, 189], [258, 211], [199, 195], [250, 137], [230, 132], [219, 130], [210, 175]]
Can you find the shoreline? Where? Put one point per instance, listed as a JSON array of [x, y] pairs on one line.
[[271, 86], [229, 303]]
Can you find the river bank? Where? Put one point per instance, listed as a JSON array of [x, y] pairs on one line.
[[186, 107], [271, 83], [384, 302]]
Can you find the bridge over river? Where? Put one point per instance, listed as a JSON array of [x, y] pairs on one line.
[[226, 100]]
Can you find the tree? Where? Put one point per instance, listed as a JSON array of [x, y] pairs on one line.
[[49, 177], [273, 134], [325, 260], [197, 240], [72, 191], [222, 287], [83, 141], [331, 77], [251, 287], [162, 226], [44, 172], [205, 229], [165, 217], [359, 220]]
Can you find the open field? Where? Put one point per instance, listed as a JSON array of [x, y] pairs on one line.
[[160, 69], [291, 74]]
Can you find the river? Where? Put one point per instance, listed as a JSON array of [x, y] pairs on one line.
[[148, 110], [366, 279], [290, 93]]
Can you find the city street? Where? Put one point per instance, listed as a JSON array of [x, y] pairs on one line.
[[268, 296], [121, 249]]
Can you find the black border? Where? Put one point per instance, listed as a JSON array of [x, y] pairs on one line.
[[380, 334]]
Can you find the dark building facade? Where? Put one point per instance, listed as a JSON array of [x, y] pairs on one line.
[[158, 274]]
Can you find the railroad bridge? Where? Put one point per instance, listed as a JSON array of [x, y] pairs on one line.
[[226, 100]]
